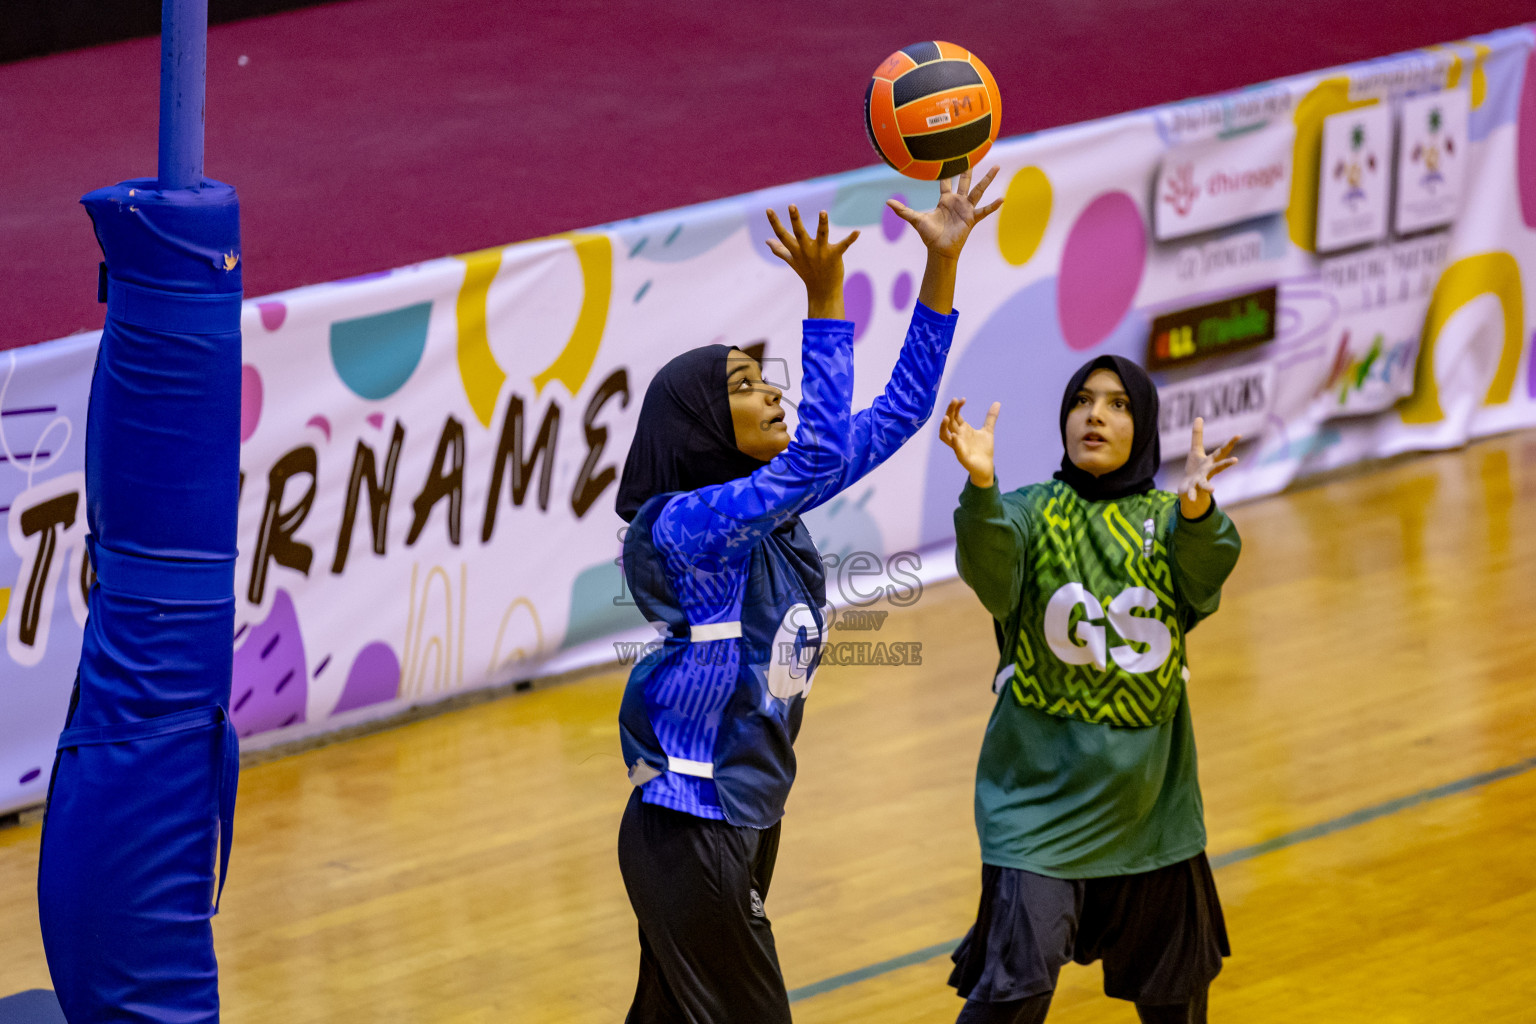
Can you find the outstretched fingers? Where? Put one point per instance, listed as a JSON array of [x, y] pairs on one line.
[[786, 241], [842, 247], [951, 423], [975, 194], [903, 211], [799, 227], [992, 412]]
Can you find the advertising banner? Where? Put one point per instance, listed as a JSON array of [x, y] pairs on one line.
[[1335, 266]]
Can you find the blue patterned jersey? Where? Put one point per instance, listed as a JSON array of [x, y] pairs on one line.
[[708, 720]]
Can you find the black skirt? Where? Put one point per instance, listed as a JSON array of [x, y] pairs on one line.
[[1161, 934]]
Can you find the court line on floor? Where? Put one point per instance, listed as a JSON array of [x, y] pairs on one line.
[[1302, 835]]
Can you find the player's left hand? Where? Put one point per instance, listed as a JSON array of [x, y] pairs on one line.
[[1199, 467], [945, 228]]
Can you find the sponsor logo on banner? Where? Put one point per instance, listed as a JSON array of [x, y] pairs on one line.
[[1352, 178], [1211, 184], [1221, 256], [1230, 401], [1431, 160], [1404, 273], [1382, 294], [1226, 326], [1218, 115]]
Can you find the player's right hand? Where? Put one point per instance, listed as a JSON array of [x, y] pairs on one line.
[[817, 259], [973, 446]]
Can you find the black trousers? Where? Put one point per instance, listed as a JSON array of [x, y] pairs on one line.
[[706, 946]]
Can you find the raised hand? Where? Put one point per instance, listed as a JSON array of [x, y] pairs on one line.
[[818, 261], [1195, 489], [972, 446], [945, 228]]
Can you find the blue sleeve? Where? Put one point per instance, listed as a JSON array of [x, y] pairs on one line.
[[908, 400], [722, 522]]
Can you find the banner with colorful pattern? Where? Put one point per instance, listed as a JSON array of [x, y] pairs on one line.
[[1336, 266]]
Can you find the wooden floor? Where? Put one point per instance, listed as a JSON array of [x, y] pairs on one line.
[[1373, 660]]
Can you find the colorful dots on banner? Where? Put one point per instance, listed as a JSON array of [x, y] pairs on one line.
[[890, 224], [250, 401], [272, 314], [901, 291], [1026, 211], [1101, 269], [322, 424], [373, 679], [30, 775], [859, 302], [375, 355], [376, 420], [1525, 145]]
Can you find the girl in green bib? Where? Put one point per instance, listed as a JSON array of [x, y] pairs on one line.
[[1087, 798]]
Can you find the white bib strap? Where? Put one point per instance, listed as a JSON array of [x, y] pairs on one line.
[[698, 769], [707, 631]]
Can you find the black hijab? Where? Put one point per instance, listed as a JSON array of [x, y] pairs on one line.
[[685, 438], [1140, 469]]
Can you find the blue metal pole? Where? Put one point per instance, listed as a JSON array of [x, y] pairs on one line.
[[183, 91]]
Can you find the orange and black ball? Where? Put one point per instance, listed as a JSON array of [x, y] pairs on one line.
[[932, 110]]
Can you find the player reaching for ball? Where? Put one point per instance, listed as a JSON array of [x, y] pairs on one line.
[[717, 557], [1087, 799]]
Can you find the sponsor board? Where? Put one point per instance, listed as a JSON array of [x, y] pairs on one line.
[[1230, 325], [1431, 160], [1219, 258], [1230, 401], [1220, 181], [1352, 181], [1382, 294]]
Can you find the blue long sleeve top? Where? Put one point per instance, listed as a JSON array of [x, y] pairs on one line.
[[734, 583]]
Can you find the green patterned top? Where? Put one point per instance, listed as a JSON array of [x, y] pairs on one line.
[[1088, 765]]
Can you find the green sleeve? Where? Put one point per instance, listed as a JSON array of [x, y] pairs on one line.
[[990, 533], [1204, 551]]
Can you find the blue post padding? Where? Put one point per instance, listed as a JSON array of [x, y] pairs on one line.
[[141, 805], [125, 903], [165, 405]]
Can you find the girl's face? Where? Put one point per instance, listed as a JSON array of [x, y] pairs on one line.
[[1099, 424], [755, 410]]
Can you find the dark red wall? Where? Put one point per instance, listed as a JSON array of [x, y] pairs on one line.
[[373, 133]]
